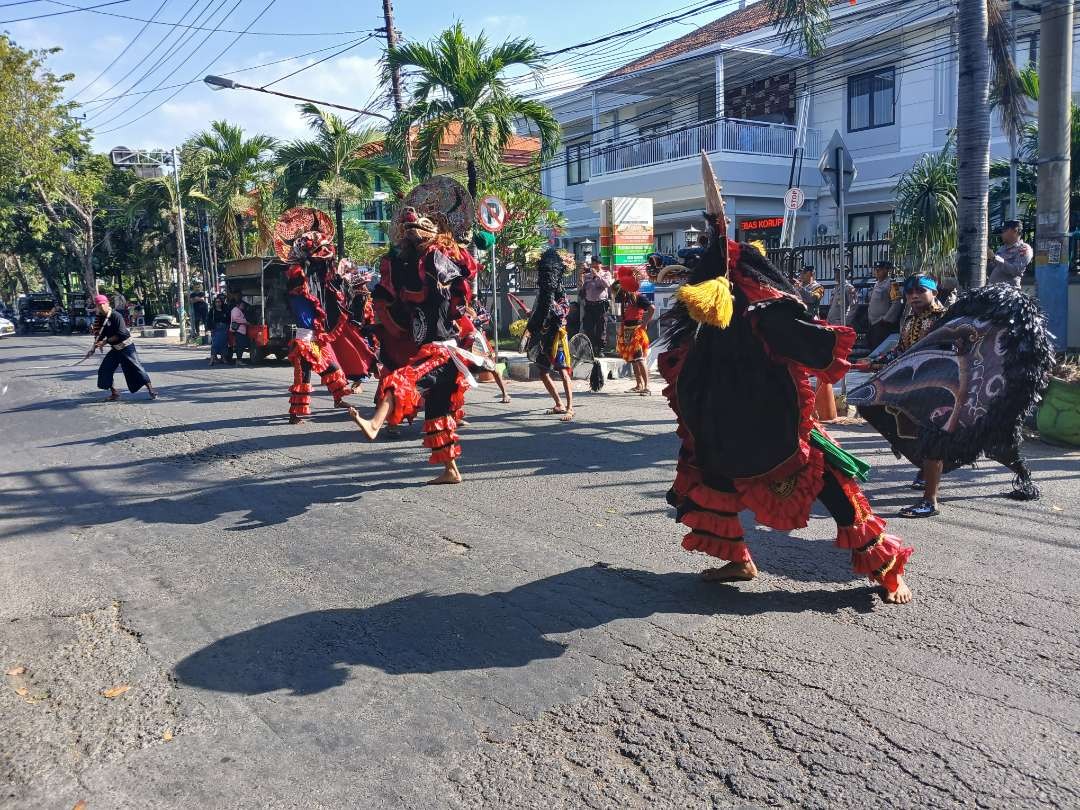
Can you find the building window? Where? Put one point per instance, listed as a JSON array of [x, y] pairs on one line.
[[869, 225], [577, 164], [665, 243], [872, 100]]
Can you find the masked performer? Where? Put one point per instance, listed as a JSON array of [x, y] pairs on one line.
[[421, 280], [960, 384], [633, 342], [740, 349], [113, 332], [547, 343], [319, 338]]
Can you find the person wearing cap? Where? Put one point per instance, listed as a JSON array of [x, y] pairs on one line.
[[837, 315], [924, 311], [1007, 266], [114, 333], [596, 292], [884, 305]]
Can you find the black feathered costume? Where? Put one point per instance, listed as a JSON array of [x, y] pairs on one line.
[[963, 389], [739, 351]]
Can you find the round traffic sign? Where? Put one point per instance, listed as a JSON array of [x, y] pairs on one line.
[[491, 213], [794, 199]]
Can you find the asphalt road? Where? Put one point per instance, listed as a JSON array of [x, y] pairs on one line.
[[300, 623]]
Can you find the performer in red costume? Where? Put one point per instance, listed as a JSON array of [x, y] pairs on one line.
[[319, 337], [633, 342], [740, 349], [422, 281]]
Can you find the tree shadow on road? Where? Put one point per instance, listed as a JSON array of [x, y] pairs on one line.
[[426, 633]]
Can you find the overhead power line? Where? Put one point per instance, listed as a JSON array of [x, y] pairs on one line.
[[200, 72], [120, 55], [222, 30], [58, 13]]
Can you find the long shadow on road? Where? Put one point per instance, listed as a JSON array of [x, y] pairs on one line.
[[426, 633]]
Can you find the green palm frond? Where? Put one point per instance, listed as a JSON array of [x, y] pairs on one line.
[[803, 23], [1008, 93]]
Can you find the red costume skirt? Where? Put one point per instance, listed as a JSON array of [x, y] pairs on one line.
[[633, 342]]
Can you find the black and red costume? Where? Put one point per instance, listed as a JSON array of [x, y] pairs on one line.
[[740, 350], [324, 331], [423, 286]]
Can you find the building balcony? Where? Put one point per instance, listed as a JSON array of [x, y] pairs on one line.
[[732, 135]]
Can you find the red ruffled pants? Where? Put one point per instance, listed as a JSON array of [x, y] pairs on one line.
[[430, 378], [712, 512], [307, 356]]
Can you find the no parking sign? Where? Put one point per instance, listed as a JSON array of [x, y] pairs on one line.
[[491, 213]]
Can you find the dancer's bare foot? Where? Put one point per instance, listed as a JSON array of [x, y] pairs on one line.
[[902, 594], [151, 392], [340, 403], [113, 395], [505, 399], [568, 416], [732, 572], [365, 426], [294, 419], [451, 475]]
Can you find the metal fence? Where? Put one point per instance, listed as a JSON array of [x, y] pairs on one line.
[[823, 254], [719, 135]]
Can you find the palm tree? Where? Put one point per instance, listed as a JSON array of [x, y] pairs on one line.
[[340, 164], [155, 200], [924, 225], [234, 174], [459, 90], [981, 29]]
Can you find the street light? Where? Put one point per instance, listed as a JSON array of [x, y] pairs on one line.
[[221, 83], [587, 246], [690, 236]]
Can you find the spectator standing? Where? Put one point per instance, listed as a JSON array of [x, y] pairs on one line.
[[885, 304], [238, 324], [596, 292], [836, 314], [810, 290], [200, 312], [1012, 258], [219, 331]]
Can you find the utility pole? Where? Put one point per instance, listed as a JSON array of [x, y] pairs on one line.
[[1012, 135], [395, 83], [181, 249], [1052, 222]]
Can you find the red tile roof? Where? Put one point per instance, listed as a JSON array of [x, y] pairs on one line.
[[735, 24]]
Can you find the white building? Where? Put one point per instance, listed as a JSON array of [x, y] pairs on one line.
[[887, 82]]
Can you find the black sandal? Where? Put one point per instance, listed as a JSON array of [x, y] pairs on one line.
[[922, 509]]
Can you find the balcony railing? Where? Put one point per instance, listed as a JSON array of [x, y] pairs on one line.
[[721, 135]]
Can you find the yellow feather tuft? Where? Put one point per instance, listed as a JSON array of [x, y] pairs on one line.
[[709, 302]]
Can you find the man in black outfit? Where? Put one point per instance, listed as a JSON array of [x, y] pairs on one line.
[[115, 334]]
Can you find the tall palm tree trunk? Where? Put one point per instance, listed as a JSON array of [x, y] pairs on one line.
[[339, 223], [470, 167], [972, 142]]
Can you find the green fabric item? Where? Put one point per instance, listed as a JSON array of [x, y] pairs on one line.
[[484, 240], [839, 458]]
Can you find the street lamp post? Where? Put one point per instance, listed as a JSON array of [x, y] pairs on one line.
[[221, 83]]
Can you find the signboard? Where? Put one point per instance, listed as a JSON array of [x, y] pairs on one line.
[[761, 224], [491, 213], [836, 162], [794, 199], [626, 232]]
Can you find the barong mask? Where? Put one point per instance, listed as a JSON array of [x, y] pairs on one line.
[[964, 387]]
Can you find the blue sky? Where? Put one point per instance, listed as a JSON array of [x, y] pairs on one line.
[[91, 40]]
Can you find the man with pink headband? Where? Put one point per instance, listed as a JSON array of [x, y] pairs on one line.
[[115, 334]]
